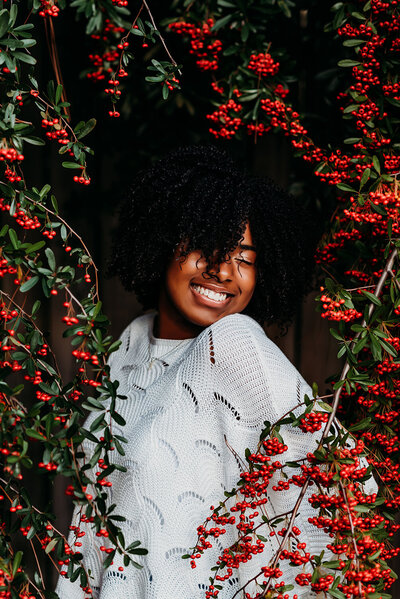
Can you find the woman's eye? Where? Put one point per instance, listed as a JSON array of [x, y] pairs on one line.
[[243, 261]]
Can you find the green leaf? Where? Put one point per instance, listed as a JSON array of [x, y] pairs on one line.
[[360, 425], [96, 423], [54, 203], [365, 177], [377, 164], [244, 34], [35, 247], [29, 284], [350, 108], [34, 141], [4, 230], [345, 187], [59, 92], [283, 5], [16, 562], [109, 559], [333, 564], [72, 165], [13, 238], [118, 418], [335, 334], [375, 300], [3, 22], [13, 14], [36, 307], [11, 43], [388, 348], [352, 140], [222, 22], [352, 43], [361, 509], [155, 79], [87, 128], [34, 434], [51, 259], [348, 63], [360, 344], [139, 551], [51, 545]]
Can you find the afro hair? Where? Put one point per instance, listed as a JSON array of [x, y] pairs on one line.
[[197, 194]]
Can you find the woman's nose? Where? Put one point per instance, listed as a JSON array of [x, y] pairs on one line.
[[221, 270]]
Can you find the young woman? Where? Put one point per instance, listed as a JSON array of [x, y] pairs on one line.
[[214, 254]]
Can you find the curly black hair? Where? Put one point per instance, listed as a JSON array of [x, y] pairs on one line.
[[197, 194]]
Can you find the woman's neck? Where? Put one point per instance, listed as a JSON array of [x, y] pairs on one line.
[[170, 324]]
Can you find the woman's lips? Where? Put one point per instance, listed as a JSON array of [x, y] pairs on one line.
[[210, 297]]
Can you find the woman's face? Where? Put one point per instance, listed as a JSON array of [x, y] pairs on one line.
[[195, 295]]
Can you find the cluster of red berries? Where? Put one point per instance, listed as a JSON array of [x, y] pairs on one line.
[[103, 64], [206, 49], [5, 582], [385, 198], [113, 91], [334, 309], [22, 217], [48, 8], [226, 120], [10, 154], [86, 356], [83, 179], [56, 130], [11, 175], [263, 64], [171, 83], [313, 422]]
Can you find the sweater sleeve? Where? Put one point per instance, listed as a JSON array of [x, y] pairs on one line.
[[92, 560], [89, 544], [260, 384]]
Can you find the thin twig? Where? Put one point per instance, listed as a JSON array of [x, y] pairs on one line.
[[52, 46], [359, 288], [353, 533], [237, 457], [37, 563], [161, 37]]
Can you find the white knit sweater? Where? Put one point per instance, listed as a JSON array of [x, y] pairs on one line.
[[182, 410]]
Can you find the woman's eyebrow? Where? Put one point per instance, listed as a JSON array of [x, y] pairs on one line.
[[251, 248]]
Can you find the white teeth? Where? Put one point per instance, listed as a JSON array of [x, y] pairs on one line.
[[218, 297]]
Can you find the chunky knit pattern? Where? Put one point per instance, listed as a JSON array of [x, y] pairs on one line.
[[182, 411]]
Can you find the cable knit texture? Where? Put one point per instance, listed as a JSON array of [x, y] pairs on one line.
[[186, 401]]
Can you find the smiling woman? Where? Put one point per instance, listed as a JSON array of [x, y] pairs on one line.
[[204, 248]]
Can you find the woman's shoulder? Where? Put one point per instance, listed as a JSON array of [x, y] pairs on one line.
[[243, 335], [239, 348], [248, 369]]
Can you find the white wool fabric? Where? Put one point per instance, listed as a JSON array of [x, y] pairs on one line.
[[189, 403]]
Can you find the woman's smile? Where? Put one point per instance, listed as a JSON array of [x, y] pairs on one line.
[[210, 295]]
